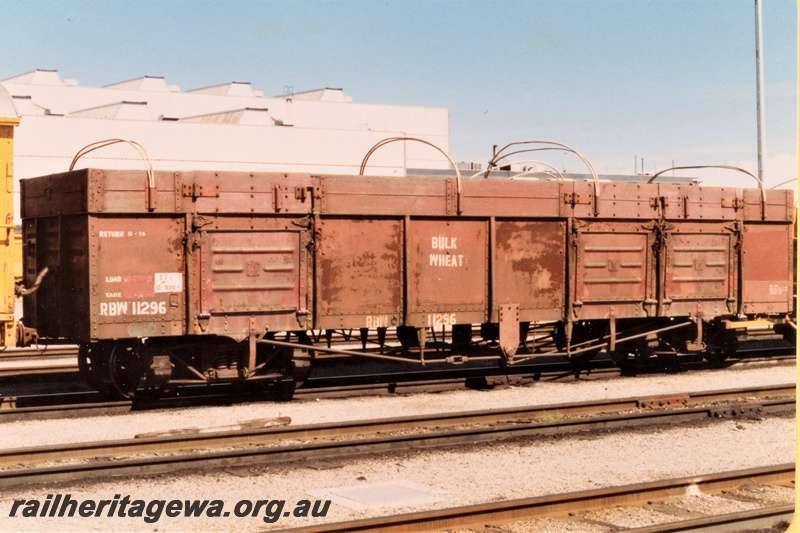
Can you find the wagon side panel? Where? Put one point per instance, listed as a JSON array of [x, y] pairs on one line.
[[360, 264], [529, 268], [767, 268], [137, 276], [447, 272]]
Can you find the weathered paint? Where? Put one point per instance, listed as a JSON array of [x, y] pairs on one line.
[[237, 254]]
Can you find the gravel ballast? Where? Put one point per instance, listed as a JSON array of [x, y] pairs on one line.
[[442, 478], [453, 477], [310, 411]]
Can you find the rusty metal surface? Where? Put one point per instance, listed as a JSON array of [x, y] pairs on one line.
[[613, 271], [61, 307], [514, 198], [447, 272], [360, 273], [236, 253], [136, 276], [529, 268], [366, 195], [767, 268], [624, 201], [700, 272]]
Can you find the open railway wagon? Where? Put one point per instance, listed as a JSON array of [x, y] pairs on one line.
[[205, 277]]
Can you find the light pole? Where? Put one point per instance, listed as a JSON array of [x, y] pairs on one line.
[[759, 92]]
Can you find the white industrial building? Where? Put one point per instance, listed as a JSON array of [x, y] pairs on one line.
[[225, 127]]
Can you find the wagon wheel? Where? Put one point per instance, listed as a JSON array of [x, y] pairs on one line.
[[294, 364], [301, 362], [721, 343], [125, 369], [93, 366], [788, 332], [582, 332], [629, 356]]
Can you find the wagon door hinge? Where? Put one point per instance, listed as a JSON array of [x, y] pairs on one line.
[[195, 191], [302, 193], [734, 203], [577, 225], [734, 227], [574, 199], [659, 203], [305, 222], [277, 197]]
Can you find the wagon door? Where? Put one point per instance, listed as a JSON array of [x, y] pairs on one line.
[[699, 271], [613, 271], [250, 280]]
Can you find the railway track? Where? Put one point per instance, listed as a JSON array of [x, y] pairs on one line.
[[345, 440], [90, 403], [63, 359], [576, 507], [33, 361]]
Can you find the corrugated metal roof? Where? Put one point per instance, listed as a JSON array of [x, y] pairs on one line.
[[25, 106], [145, 83], [116, 111], [235, 88], [38, 77], [248, 116], [7, 105], [328, 94]]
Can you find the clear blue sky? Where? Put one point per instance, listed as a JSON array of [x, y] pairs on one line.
[[664, 80]]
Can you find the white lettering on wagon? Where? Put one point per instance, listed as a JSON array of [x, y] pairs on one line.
[[445, 259], [778, 290], [113, 308], [131, 279], [443, 243], [379, 321], [133, 308], [116, 234], [441, 319]]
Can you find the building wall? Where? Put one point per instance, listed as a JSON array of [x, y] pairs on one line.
[[227, 127]]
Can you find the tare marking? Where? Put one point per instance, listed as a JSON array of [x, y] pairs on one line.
[[168, 282], [445, 259], [778, 290]]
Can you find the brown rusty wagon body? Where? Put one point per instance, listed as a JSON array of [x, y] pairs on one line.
[[139, 270]]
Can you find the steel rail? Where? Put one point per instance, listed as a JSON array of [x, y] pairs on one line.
[[50, 368], [325, 441], [72, 367], [563, 504], [12, 353], [89, 403], [10, 411], [756, 519]]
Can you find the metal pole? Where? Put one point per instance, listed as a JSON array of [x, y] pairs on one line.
[[760, 92]]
